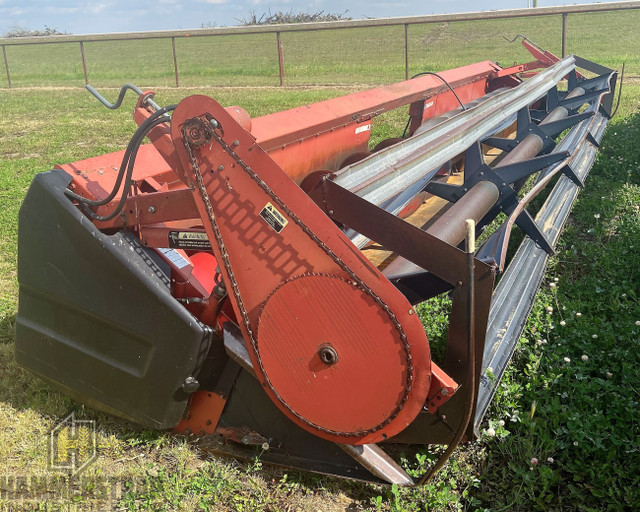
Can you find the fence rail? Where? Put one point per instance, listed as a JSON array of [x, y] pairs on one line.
[[278, 30]]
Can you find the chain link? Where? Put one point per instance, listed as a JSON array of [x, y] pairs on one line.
[[356, 281]]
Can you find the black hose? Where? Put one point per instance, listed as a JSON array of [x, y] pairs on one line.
[[136, 140], [140, 133], [445, 83], [129, 174]]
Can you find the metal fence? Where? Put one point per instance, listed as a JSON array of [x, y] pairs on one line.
[[360, 51]]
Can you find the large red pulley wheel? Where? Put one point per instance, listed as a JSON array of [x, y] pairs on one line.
[[338, 362]]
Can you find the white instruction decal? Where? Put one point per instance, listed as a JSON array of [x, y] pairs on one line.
[[175, 258]]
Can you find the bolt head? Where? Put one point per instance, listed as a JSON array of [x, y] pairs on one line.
[[152, 209], [328, 354], [190, 385]]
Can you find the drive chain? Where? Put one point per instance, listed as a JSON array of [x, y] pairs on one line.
[[356, 281]]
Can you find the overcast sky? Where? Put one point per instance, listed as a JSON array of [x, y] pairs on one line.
[[97, 16]]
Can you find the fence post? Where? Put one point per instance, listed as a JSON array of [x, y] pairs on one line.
[[280, 59], [84, 64], [175, 60], [6, 65], [564, 35], [406, 51]]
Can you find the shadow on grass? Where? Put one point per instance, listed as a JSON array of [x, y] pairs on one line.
[[7, 329]]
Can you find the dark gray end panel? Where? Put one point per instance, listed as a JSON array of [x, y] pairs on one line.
[[96, 315]]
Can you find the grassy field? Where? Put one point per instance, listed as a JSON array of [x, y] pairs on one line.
[[563, 431], [366, 56]]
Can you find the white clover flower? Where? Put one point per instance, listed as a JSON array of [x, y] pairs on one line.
[[550, 460], [575, 443], [578, 315], [609, 375], [552, 285], [556, 279], [501, 423], [567, 360], [549, 309], [585, 357], [534, 462], [490, 432], [563, 323], [637, 322], [596, 216], [539, 343], [594, 336]]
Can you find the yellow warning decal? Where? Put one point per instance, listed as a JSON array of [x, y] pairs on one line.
[[189, 240], [273, 217]]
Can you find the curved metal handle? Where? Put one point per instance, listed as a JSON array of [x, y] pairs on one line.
[[524, 38], [515, 38], [123, 91]]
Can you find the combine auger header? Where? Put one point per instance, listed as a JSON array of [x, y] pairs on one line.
[[254, 279]]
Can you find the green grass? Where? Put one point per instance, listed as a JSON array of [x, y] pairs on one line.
[[574, 384], [582, 413], [363, 55]]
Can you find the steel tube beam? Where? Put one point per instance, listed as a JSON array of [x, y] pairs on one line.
[[532, 144], [564, 34], [561, 112], [387, 173], [476, 203]]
